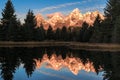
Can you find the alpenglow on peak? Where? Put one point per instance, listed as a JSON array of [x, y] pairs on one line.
[[73, 19]]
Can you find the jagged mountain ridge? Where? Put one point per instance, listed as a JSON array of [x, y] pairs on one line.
[[74, 19]]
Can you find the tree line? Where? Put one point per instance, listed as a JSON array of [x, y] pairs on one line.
[[107, 31]]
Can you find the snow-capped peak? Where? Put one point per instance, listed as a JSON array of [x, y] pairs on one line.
[[73, 19]]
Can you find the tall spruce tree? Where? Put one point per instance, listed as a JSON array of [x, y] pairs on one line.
[[116, 32], [9, 22], [8, 12], [1, 33], [96, 32], [58, 34], [13, 30], [82, 31], [70, 34], [50, 33], [112, 11], [64, 35], [106, 31], [40, 33], [88, 34], [29, 26], [75, 33]]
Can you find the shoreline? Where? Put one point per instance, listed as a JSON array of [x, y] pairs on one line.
[[71, 45]]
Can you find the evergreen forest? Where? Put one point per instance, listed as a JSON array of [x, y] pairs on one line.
[[107, 31]]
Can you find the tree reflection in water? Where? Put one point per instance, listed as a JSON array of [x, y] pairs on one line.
[[57, 58]]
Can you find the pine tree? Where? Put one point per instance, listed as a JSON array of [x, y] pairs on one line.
[[106, 31], [9, 22], [82, 31], [64, 34], [8, 12], [116, 32], [22, 32], [70, 34], [58, 34], [29, 26], [13, 30], [43, 32], [112, 11], [88, 34], [40, 33], [50, 33], [1, 33], [96, 33]]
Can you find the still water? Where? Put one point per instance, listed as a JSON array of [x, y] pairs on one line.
[[58, 64]]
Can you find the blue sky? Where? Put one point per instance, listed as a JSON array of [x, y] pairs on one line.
[[49, 74], [50, 6]]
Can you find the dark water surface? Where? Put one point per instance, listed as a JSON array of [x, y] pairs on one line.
[[58, 64]]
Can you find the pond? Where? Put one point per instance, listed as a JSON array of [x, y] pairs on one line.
[[56, 63]]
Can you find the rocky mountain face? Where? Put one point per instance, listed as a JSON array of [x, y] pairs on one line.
[[74, 19]]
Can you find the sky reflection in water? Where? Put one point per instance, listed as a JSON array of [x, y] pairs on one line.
[[57, 64], [44, 73]]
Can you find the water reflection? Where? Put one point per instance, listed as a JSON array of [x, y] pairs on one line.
[[74, 64], [38, 59]]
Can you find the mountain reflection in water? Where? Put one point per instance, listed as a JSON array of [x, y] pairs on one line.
[[72, 63], [34, 60]]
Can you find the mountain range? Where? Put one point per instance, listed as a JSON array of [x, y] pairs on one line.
[[73, 19]]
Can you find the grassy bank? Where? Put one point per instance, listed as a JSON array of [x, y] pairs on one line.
[[71, 45]]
